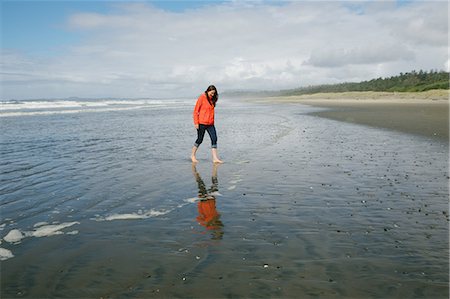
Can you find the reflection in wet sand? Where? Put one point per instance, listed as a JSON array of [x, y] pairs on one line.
[[207, 212]]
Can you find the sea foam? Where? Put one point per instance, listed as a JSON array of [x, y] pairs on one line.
[[47, 107], [5, 254], [16, 235], [132, 216]]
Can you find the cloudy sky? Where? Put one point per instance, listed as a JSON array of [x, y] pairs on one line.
[[54, 49]]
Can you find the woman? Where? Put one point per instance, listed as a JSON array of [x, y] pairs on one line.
[[204, 121]]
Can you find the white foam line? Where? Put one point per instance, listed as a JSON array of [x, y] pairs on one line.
[[15, 235], [40, 224], [191, 200], [71, 111], [215, 193], [147, 214], [50, 230], [76, 104], [132, 216], [197, 199], [5, 254], [74, 111]]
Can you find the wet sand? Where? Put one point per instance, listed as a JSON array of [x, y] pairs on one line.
[[425, 113], [108, 205]]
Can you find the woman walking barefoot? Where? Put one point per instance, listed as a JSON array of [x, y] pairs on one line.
[[204, 121]]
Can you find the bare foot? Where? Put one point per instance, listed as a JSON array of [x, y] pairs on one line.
[[194, 160], [217, 161]]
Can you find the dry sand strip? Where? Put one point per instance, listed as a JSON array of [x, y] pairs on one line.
[[422, 113]]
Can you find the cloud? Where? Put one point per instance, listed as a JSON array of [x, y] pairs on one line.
[[139, 50], [424, 23], [366, 54]]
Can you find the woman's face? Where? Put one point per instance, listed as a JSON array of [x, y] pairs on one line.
[[211, 93]]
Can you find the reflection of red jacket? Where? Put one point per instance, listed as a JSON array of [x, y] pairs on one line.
[[203, 111], [208, 213]]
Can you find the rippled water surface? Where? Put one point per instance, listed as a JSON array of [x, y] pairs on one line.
[[100, 200]]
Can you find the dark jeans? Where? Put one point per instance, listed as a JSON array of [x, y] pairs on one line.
[[201, 133]]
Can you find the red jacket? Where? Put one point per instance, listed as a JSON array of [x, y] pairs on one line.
[[203, 111]]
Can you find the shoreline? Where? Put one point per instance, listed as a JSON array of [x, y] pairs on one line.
[[419, 113]]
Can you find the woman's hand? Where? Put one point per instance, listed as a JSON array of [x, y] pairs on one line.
[[196, 126]]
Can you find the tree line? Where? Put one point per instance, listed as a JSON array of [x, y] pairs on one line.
[[405, 82]]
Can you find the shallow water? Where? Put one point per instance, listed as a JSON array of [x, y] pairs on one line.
[[106, 204]]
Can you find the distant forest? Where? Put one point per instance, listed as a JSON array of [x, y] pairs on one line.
[[405, 82]]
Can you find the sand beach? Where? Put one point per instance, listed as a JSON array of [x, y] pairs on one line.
[[423, 113], [102, 201]]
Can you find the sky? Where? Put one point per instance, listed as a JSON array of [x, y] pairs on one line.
[[150, 49]]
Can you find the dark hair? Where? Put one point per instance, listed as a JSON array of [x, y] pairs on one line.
[[213, 101]]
